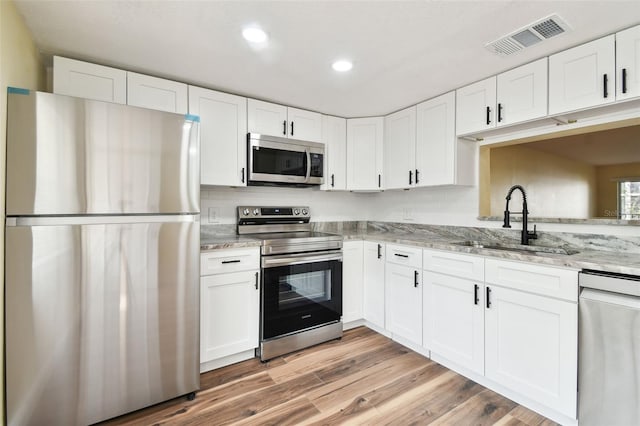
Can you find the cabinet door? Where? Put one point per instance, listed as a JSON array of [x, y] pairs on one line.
[[267, 118], [531, 346], [304, 125], [334, 136], [436, 141], [229, 314], [352, 281], [373, 271], [475, 107], [628, 63], [522, 93], [453, 314], [364, 153], [582, 77], [403, 312], [400, 149], [156, 93], [223, 136], [90, 81]]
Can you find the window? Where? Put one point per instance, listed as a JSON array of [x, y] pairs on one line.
[[629, 199]]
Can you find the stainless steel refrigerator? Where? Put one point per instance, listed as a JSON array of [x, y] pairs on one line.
[[101, 258]]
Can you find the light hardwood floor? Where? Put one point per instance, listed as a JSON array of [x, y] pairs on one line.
[[365, 378]]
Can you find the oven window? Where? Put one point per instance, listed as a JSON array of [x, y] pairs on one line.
[[279, 162], [300, 289]]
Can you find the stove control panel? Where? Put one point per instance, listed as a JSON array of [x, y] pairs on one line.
[[273, 212]]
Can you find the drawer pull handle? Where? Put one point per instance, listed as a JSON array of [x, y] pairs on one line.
[[379, 251], [624, 80], [476, 299], [605, 83], [257, 282], [401, 255], [415, 279], [224, 262], [488, 297]]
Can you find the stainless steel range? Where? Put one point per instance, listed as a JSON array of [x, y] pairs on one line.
[[301, 292]]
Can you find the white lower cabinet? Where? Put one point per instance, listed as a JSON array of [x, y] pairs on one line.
[[373, 291], [454, 327], [403, 293], [352, 261], [229, 308]]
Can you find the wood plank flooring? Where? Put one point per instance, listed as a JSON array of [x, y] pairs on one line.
[[363, 379]]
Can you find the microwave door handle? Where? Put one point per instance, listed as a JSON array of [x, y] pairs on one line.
[[308, 164]]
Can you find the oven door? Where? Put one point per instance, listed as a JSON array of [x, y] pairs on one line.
[[300, 291]]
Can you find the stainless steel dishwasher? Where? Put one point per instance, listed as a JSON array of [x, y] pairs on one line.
[[609, 349]]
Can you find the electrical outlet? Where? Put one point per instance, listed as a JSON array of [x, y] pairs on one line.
[[214, 213]]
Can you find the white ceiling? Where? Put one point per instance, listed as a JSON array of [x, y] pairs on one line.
[[403, 52]]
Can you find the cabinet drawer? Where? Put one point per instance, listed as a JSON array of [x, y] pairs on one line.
[[403, 255], [544, 280], [223, 261], [458, 265]]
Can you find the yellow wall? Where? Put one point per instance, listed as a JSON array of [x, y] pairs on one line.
[[556, 186], [607, 205], [20, 66]]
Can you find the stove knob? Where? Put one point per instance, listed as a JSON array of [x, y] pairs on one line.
[[305, 212], [256, 212], [245, 212], [296, 211]]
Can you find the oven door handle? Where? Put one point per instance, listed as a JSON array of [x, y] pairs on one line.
[[299, 259]]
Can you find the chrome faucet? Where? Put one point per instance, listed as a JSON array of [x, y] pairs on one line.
[[525, 235]]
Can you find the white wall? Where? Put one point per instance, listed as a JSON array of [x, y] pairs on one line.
[[325, 206]]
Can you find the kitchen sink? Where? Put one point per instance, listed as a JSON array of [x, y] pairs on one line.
[[517, 247]]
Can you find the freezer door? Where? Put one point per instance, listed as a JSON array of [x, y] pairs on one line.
[[69, 155], [101, 319]]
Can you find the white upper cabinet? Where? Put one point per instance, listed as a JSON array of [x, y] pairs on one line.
[[156, 93], [436, 141], [475, 107], [522, 93], [364, 153], [90, 81], [334, 136], [582, 77], [266, 118], [304, 125], [628, 63], [278, 120], [400, 149], [223, 135]]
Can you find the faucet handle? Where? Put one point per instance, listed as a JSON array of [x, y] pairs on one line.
[[533, 235]]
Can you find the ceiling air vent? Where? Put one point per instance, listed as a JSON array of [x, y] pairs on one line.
[[529, 35]]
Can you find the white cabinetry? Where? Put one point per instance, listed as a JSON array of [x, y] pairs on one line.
[[522, 93], [400, 149], [223, 133], [156, 93], [583, 76], [436, 155], [373, 273], [403, 290], [334, 136], [90, 81], [475, 107], [628, 63], [364, 153], [352, 252], [278, 120], [454, 308], [229, 306], [531, 332]]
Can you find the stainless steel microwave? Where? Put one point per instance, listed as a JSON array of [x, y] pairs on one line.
[[280, 161]]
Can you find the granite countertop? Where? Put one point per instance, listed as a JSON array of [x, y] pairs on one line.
[[611, 261]]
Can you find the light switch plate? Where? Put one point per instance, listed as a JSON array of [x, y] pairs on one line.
[[214, 214]]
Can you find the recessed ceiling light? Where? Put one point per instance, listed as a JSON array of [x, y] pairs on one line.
[[342, 65], [254, 35]]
